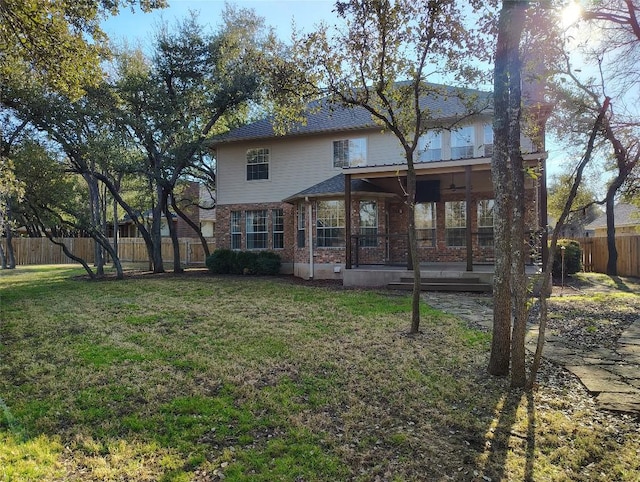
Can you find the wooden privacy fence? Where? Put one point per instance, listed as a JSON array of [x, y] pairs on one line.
[[133, 250], [595, 254]]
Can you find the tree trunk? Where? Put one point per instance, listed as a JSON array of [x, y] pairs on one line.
[[156, 230], [545, 290], [3, 258], [413, 245], [193, 225], [501, 178], [612, 261], [173, 232], [96, 219], [518, 254], [11, 258]]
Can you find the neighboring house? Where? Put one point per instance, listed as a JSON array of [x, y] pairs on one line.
[[195, 200], [328, 195], [626, 218]]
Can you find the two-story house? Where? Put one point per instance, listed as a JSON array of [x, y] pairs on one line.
[[329, 195]]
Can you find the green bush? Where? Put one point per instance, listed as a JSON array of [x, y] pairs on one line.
[[222, 261], [268, 263], [246, 262], [226, 261], [572, 258]]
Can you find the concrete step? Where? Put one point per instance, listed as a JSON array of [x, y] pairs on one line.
[[443, 279], [443, 284]]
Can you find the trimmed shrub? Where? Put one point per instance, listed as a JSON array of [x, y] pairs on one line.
[[246, 262], [268, 263], [572, 258], [222, 261], [226, 261]]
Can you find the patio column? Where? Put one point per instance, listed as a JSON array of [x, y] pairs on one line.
[[467, 194], [347, 220]]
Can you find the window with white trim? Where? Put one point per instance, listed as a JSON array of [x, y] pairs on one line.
[[277, 221], [430, 146], [236, 232], [301, 226], [462, 140], [368, 224], [257, 164], [485, 222], [330, 224], [455, 221], [350, 152], [487, 132], [256, 222], [425, 219]]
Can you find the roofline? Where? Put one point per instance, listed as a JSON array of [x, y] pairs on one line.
[[433, 167], [333, 195], [373, 127]]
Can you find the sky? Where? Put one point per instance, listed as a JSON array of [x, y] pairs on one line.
[[279, 14], [137, 28]]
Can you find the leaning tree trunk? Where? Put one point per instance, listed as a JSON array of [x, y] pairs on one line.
[[545, 290], [173, 232], [96, 219], [3, 258], [194, 226]]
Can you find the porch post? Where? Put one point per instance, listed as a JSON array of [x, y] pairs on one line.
[[347, 220], [467, 194]]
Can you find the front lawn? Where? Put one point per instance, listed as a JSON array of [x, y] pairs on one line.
[[196, 377]]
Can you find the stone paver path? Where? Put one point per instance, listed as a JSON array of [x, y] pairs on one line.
[[613, 376]]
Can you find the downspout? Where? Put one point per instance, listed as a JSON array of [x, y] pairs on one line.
[[309, 215]]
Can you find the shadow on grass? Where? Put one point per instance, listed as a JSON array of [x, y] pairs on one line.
[[507, 435]]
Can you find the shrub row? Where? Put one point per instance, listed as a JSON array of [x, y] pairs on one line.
[[226, 261]]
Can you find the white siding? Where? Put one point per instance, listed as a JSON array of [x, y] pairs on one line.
[[295, 164]]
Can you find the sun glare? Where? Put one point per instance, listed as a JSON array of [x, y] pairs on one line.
[[571, 14]]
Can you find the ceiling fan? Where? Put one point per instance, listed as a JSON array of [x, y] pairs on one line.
[[452, 186]]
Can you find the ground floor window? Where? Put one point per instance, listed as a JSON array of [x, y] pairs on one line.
[[236, 232], [256, 229], [277, 219], [455, 219], [301, 226], [485, 222], [330, 224], [368, 224], [425, 219]]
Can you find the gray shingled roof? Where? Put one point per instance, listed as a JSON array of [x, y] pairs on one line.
[[624, 215], [335, 185], [325, 116]]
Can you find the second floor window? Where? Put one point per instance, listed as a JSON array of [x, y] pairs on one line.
[[488, 140], [257, 164], [430, 146], [350, 152], [462, 141]]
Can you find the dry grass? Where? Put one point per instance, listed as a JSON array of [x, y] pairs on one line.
[[197, 378]]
